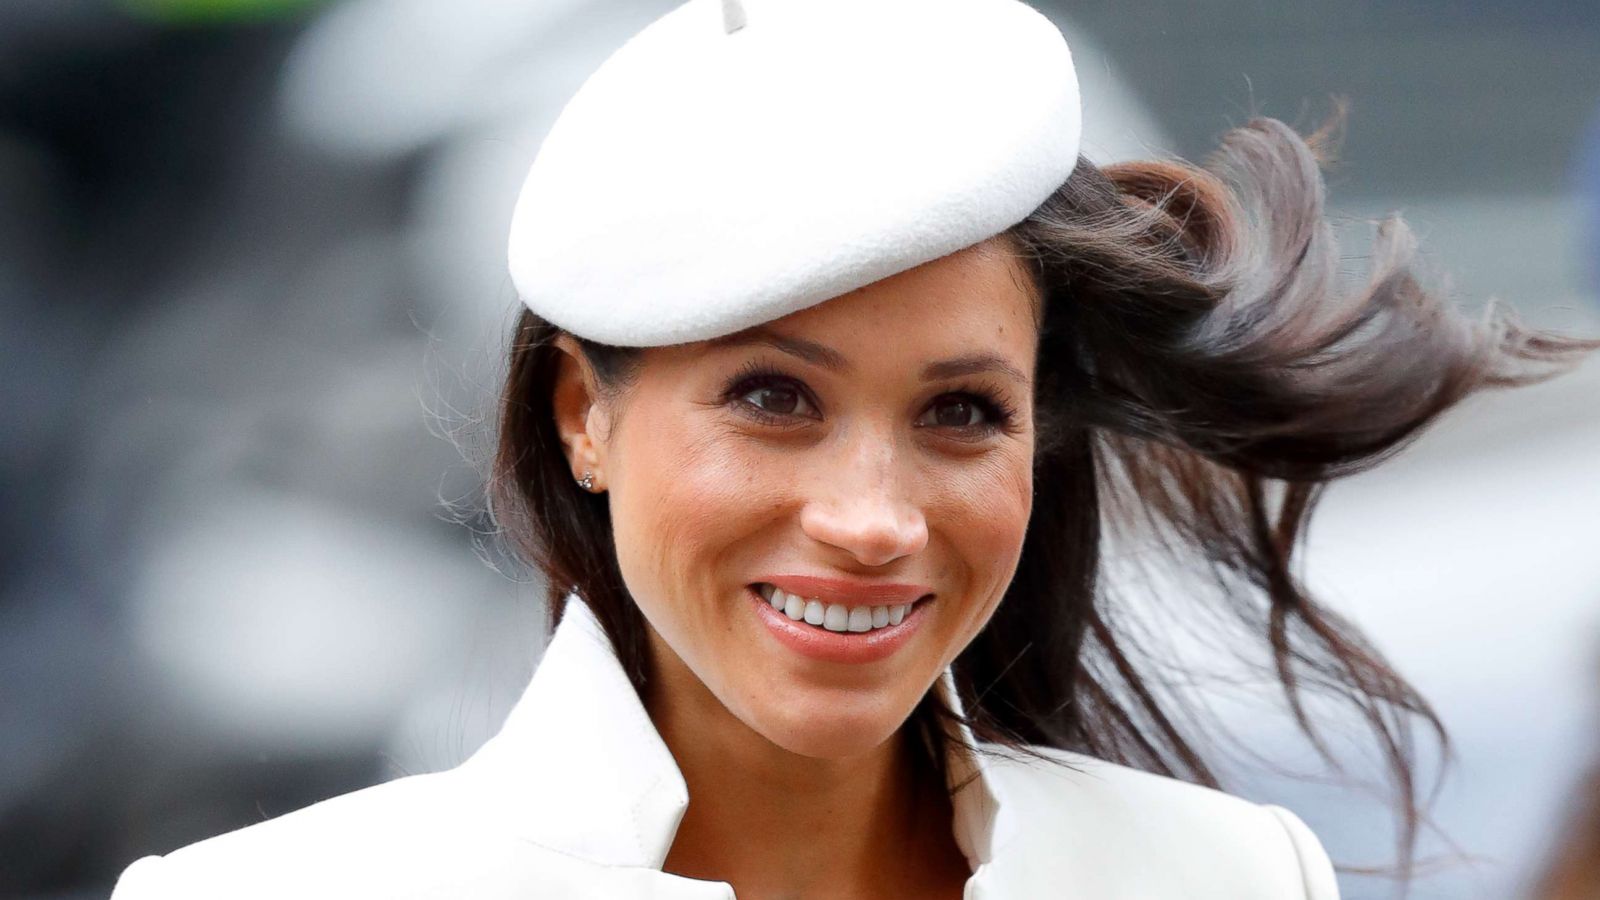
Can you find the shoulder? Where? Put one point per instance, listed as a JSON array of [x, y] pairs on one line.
[[420, 836], [1155, 835]]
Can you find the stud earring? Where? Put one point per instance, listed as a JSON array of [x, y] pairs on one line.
[[587, 481]]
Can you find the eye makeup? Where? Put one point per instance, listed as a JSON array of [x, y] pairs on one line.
[[998, 414]]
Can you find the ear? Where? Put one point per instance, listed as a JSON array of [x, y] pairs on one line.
[[580, 417]]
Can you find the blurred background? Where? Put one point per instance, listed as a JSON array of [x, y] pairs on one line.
[[253, 293]]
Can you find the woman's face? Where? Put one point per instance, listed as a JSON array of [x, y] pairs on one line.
[[872, 451]]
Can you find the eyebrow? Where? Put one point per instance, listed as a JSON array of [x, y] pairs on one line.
[[831, 359], [810, 351], [973, 364]]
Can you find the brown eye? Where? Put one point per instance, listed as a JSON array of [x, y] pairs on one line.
[[778, 399], [953, 412]]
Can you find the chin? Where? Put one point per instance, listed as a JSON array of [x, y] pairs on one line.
[[827, 733]]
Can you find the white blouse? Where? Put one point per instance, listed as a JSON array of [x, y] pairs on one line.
[[579, 797]]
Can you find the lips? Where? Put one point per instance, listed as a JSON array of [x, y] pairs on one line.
[[847, 592], [867, 643]]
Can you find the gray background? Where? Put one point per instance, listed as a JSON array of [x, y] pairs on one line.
[[252, 280]]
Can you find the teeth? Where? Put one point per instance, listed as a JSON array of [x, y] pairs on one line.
[[861, 619], [813, 612], [837, 618], [834, 616]]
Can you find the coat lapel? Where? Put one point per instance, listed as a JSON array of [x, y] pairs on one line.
[[579, 768], [583, 770]]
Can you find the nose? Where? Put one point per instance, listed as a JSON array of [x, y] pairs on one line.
[[861, 507]]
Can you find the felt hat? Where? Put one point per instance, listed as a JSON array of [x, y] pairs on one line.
[[739, 160]]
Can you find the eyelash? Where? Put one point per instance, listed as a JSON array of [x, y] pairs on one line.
[[1000, 415]]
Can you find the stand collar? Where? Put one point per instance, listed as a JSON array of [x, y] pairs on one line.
[[579, 767]]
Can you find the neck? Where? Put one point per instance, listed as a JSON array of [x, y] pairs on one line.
[[775, 824]]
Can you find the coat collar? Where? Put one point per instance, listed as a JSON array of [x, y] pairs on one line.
[[578, 767]]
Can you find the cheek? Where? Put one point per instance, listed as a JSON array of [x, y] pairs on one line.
[[684, 510], [981, 513]]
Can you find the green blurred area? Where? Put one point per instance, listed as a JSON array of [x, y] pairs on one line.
[[216, 11]]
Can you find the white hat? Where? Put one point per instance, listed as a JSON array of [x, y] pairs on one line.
[[738, 161]]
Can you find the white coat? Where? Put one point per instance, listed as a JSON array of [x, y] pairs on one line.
[[578, 797]]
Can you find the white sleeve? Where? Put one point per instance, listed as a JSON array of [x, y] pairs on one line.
[[1315, 867]]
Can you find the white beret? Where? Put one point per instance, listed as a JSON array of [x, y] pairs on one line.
[[738, 161]]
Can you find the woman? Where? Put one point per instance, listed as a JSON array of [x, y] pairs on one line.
[[836, 357]]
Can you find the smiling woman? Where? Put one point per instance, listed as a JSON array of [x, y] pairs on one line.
[[854, 479], [816, 441], [815, 458]]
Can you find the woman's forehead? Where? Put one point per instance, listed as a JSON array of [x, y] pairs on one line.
[[967, 312], [972, 295]]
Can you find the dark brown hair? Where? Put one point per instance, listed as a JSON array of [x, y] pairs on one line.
[[1204, 370], [1573, 870]]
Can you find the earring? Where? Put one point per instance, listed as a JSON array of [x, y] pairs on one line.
[[587, 481]]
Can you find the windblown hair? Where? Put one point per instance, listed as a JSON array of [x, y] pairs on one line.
[[1204, 370]]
